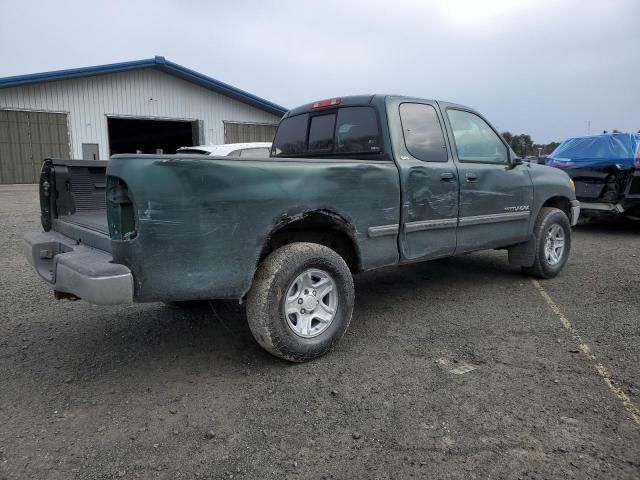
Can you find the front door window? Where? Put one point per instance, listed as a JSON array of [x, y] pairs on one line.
[[475, 139]]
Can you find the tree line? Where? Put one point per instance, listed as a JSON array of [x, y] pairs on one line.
[[523, 145]]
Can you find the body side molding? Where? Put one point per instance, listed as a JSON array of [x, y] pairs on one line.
[[494, 218], [383, 230], [430, 224]]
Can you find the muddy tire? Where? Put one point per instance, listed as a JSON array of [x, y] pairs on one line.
[[301, 301], [552, 233]]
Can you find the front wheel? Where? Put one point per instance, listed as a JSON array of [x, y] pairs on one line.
[[301, 301], [553, 242]]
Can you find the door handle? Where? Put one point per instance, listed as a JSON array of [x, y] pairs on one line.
[[447, 176], [471, 177]]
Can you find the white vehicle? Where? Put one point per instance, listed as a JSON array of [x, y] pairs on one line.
[[253, 150]]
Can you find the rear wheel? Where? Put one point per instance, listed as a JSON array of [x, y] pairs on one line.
[[553, 243], [301, 301]]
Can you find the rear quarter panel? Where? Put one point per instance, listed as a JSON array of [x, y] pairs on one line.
[[202, 223]]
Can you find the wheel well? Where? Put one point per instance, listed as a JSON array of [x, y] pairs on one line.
[[562, 203], [324, 228]]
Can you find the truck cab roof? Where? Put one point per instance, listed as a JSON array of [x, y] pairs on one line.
[[361, 100]]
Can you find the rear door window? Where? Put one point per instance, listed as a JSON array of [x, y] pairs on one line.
[[357, 131], [422, 131], [321, 133]]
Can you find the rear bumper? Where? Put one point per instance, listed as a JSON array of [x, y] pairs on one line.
[[575, 212], [78, 270]]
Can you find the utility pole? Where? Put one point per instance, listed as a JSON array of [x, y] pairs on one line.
[[588, 127]]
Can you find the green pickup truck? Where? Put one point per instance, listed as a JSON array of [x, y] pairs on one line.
[[352, 184]]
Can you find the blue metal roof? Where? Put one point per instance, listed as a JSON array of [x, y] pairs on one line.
[[159, 63]]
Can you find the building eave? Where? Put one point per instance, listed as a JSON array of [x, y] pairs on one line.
[[158, 63]]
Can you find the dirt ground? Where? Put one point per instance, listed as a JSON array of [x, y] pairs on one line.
[[453, 369]]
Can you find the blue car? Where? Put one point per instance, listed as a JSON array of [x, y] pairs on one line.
[[605, 169]]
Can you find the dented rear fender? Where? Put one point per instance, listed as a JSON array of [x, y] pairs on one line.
[[202, 224]]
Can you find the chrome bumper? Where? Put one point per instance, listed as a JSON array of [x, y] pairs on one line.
[[575, 212], [78, 270]]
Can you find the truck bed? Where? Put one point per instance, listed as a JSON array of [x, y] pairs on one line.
[[96, 221], [74, 251], [77, 201]]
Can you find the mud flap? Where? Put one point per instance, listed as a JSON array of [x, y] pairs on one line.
[[523, 254]]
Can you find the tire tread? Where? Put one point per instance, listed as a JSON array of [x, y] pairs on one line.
[[265, 282], [540, 269]]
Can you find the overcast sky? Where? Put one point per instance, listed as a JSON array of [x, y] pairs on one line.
[[540, 67]]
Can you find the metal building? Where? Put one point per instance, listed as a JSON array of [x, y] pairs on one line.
[[145, 106]]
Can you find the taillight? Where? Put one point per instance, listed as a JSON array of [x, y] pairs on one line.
[[120, 212], [329, 102], [636, 163], [47, 187]]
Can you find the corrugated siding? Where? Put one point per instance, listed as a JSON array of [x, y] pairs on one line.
[[138, 93], [248, 132], [25, 139]]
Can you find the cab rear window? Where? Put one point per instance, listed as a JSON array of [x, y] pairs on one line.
[[321, 133], [291, 137], [350, 130]]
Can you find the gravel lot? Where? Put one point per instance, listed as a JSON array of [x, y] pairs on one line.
[[146, 391]]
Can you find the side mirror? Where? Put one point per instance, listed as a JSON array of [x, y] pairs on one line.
[[514, 161]]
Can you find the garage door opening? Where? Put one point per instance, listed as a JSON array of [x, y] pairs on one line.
[[128, 135]]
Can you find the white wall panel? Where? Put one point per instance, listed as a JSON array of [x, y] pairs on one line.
[[137, 93]]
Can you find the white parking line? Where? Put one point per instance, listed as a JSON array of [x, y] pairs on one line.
[[631, 407]]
